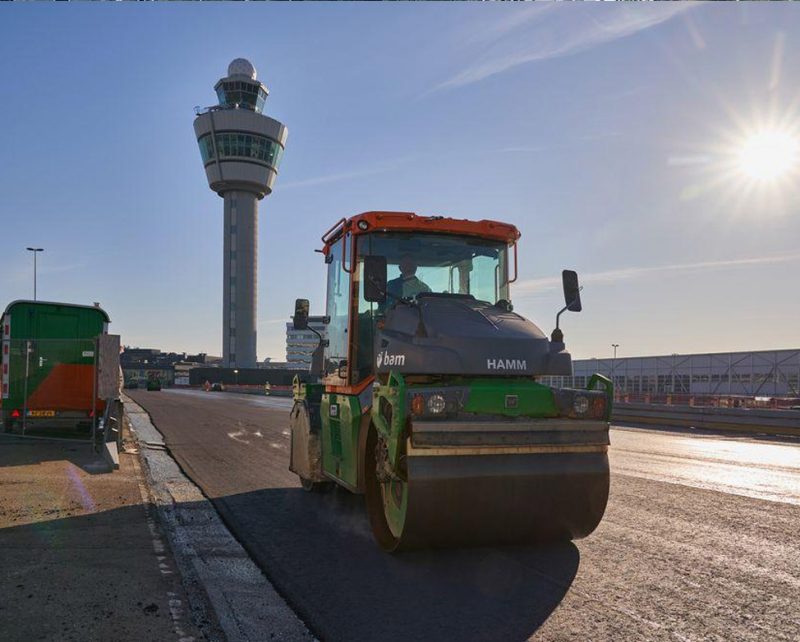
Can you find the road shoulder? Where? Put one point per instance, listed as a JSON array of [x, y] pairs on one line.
[[229, 595], [82, 557]]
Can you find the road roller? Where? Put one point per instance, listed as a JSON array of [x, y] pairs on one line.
[[433, 398]]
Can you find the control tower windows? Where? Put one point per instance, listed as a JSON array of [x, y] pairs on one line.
[[241, 93], [236, 145]]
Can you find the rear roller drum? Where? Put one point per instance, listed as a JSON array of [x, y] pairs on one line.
[[387, 498]]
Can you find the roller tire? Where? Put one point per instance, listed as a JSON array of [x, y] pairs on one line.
[[374, 499]]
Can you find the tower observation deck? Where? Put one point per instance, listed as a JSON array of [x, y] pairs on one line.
[[241, 149]]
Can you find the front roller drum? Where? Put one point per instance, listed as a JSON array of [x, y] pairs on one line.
[[470, 500]]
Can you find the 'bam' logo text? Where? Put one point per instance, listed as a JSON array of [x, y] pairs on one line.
[[386, 359]]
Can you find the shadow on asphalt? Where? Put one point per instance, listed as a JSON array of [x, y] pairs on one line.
[[24, 451], [82, 577], [319, 552]]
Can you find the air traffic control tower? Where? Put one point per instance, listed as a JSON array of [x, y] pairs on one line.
[[241, 149]]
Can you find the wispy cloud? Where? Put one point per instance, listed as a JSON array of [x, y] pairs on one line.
[[333, 178], [546, 284], [355, 173], [553, 34], [682, 161], [24, 272], [511, 21]]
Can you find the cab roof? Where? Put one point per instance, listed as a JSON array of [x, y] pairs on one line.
[[367, 222], [97, 308]]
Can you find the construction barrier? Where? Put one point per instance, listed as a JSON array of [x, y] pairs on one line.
[[751, 420]]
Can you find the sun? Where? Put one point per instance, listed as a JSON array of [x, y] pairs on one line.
[[769, 155]]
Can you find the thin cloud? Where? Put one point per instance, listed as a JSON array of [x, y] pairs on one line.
[[555, 34], [346, 176], [333, 178], [23, 273], [683, 161], [546, 284], [511, 21], [524, 149]]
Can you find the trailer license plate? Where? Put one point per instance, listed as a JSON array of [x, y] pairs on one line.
[[41, 413]]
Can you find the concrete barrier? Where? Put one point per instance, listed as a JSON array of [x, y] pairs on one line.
[[753, 420]]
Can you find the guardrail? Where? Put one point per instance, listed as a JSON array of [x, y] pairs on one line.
[[707, 400], [752, 420]]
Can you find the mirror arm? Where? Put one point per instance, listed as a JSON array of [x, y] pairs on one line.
[[319, 336], [557, 334]]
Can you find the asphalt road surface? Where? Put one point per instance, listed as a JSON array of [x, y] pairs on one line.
[[700, 541]]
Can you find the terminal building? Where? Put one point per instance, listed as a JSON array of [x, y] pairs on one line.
[[763, 373], [300, 344]]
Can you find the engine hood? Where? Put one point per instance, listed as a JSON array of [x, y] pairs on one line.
[[458, 335]]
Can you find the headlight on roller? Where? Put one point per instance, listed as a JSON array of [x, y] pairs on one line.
[[436, 404], [580, 405]]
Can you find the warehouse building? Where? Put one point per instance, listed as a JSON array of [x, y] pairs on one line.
[[773, 373]]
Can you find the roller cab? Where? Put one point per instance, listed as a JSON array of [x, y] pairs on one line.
[[430, 399]]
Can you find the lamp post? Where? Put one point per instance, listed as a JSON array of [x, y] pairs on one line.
[[613, 360], [35, 251], [236, 372]]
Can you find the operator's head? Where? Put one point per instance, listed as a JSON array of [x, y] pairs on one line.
[[407, 265]]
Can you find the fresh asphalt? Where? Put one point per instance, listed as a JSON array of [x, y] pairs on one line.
[[699, 540]]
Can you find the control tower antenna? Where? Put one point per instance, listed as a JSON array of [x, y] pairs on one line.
[[241, 149]]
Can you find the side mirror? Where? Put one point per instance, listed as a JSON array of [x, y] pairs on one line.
[[300, 319], [375, 279], [572, 291]]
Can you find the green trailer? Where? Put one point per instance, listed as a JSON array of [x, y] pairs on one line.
[[49, 365], [433, 397]]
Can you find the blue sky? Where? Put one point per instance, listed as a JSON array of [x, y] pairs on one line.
[[605, 132]]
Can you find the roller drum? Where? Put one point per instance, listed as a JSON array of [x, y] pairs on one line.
[[469, 500]]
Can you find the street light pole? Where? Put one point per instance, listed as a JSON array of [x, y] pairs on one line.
[[35, 251], [613, 360]]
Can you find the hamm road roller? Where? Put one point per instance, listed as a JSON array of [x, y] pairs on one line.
[[430, 394]]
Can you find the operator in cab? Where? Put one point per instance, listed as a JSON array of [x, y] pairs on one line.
[[407, 285]]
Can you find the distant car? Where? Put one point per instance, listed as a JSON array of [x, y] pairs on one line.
[[154, 384], [132, 385], [217, 387]]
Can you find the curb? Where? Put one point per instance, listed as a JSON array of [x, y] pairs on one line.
[[229, 596]]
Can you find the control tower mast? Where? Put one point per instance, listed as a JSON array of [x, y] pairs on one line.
[[241, 149]]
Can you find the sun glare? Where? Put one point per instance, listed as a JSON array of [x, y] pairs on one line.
[[769, 155]]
